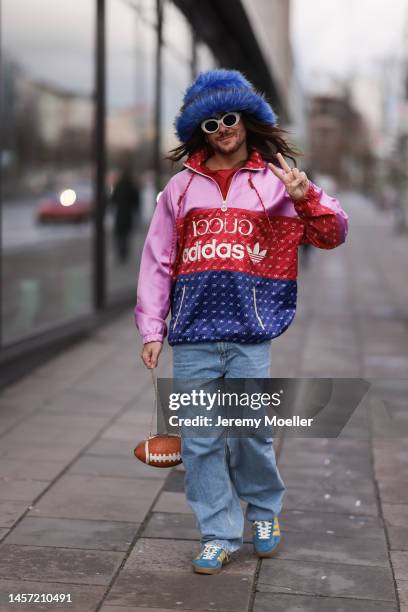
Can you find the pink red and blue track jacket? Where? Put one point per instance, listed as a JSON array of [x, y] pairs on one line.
[[227, 269]]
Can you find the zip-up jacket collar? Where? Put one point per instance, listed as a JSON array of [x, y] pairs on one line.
[[254, 161]]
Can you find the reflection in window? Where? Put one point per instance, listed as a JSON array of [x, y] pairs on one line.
[[46, 166], [177, 74], [131, 49]]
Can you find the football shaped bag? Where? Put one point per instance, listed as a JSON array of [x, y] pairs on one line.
[[159, 450]]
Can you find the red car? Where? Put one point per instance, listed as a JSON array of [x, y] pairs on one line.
[[73, 204]]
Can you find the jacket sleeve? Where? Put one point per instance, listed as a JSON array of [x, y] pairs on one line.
[[326, 223], [155, 282]]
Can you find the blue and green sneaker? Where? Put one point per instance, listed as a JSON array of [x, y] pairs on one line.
[[211, 559], [266, 537]]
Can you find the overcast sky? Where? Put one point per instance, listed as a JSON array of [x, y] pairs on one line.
[[343, 37]]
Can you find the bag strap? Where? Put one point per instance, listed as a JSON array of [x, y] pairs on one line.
[[155, 404]]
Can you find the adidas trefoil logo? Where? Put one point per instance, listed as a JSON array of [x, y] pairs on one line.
[[256, 254]]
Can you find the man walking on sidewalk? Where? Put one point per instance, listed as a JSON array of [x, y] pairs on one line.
[[221, 253]]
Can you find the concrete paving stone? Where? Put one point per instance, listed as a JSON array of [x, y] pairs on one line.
[[11, 414], [37, 451], [172, 502], [268, 602], [402, 587], [171, 525], [156, 555], [175, 482], [60, 428], [118, 330], [100, 498], [179, 468], [277, 602], [7, 424], [77, 361], [387, 472], [131, 434], [180, 527], [109, 608], [399, 560], [58, 564], [126, 467], [394, 491], [331, 523], [391, 446], [399, 417], [10, 407], [333, 549], [304, 499], [75, 533], [396, 519], [110, 448], [140, 411], [310, 459], [328, 482], [333, 472], [326, 579], [117, 384], [34, 391], [328, 445], [19, 469], [21, 490], [330, 365], [182, 590], [84, 598], [10, 512], [384, 366], [86, 403]]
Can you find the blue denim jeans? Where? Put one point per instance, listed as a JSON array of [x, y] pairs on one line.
[[221, 471]]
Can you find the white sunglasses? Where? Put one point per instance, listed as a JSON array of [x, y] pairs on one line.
[[210, 126]]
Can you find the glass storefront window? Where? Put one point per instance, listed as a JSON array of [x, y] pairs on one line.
[[130, 133], [177, 75], [47, 110]]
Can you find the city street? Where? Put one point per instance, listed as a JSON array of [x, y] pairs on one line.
[[80, 515]]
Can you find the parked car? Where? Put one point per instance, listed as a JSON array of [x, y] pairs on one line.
[[74, 204]]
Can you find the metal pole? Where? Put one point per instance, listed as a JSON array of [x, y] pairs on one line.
[[100, 161], [1, 200], [158, 94]]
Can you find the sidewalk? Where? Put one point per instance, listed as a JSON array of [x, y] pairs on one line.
[[80, 515]]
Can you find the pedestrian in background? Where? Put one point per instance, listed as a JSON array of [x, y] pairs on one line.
[[126, 199], [221, 253]]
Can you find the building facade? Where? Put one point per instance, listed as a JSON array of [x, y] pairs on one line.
[[89, 92]]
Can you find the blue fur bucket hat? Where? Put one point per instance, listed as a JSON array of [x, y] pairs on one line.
[[217, 91]]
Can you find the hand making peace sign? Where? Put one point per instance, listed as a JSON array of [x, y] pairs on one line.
[[296, 182]]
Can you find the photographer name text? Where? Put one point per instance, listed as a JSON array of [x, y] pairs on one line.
[[205, 421]]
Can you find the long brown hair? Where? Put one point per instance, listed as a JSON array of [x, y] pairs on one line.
[[268, 140]]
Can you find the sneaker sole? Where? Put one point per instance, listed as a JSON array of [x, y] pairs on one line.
[[208, 570], [267, 555], [204, 570]]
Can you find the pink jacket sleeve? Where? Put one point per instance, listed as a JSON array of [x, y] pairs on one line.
[[155, 282]]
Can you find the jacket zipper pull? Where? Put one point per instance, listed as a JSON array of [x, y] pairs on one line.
[[224, 206]]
